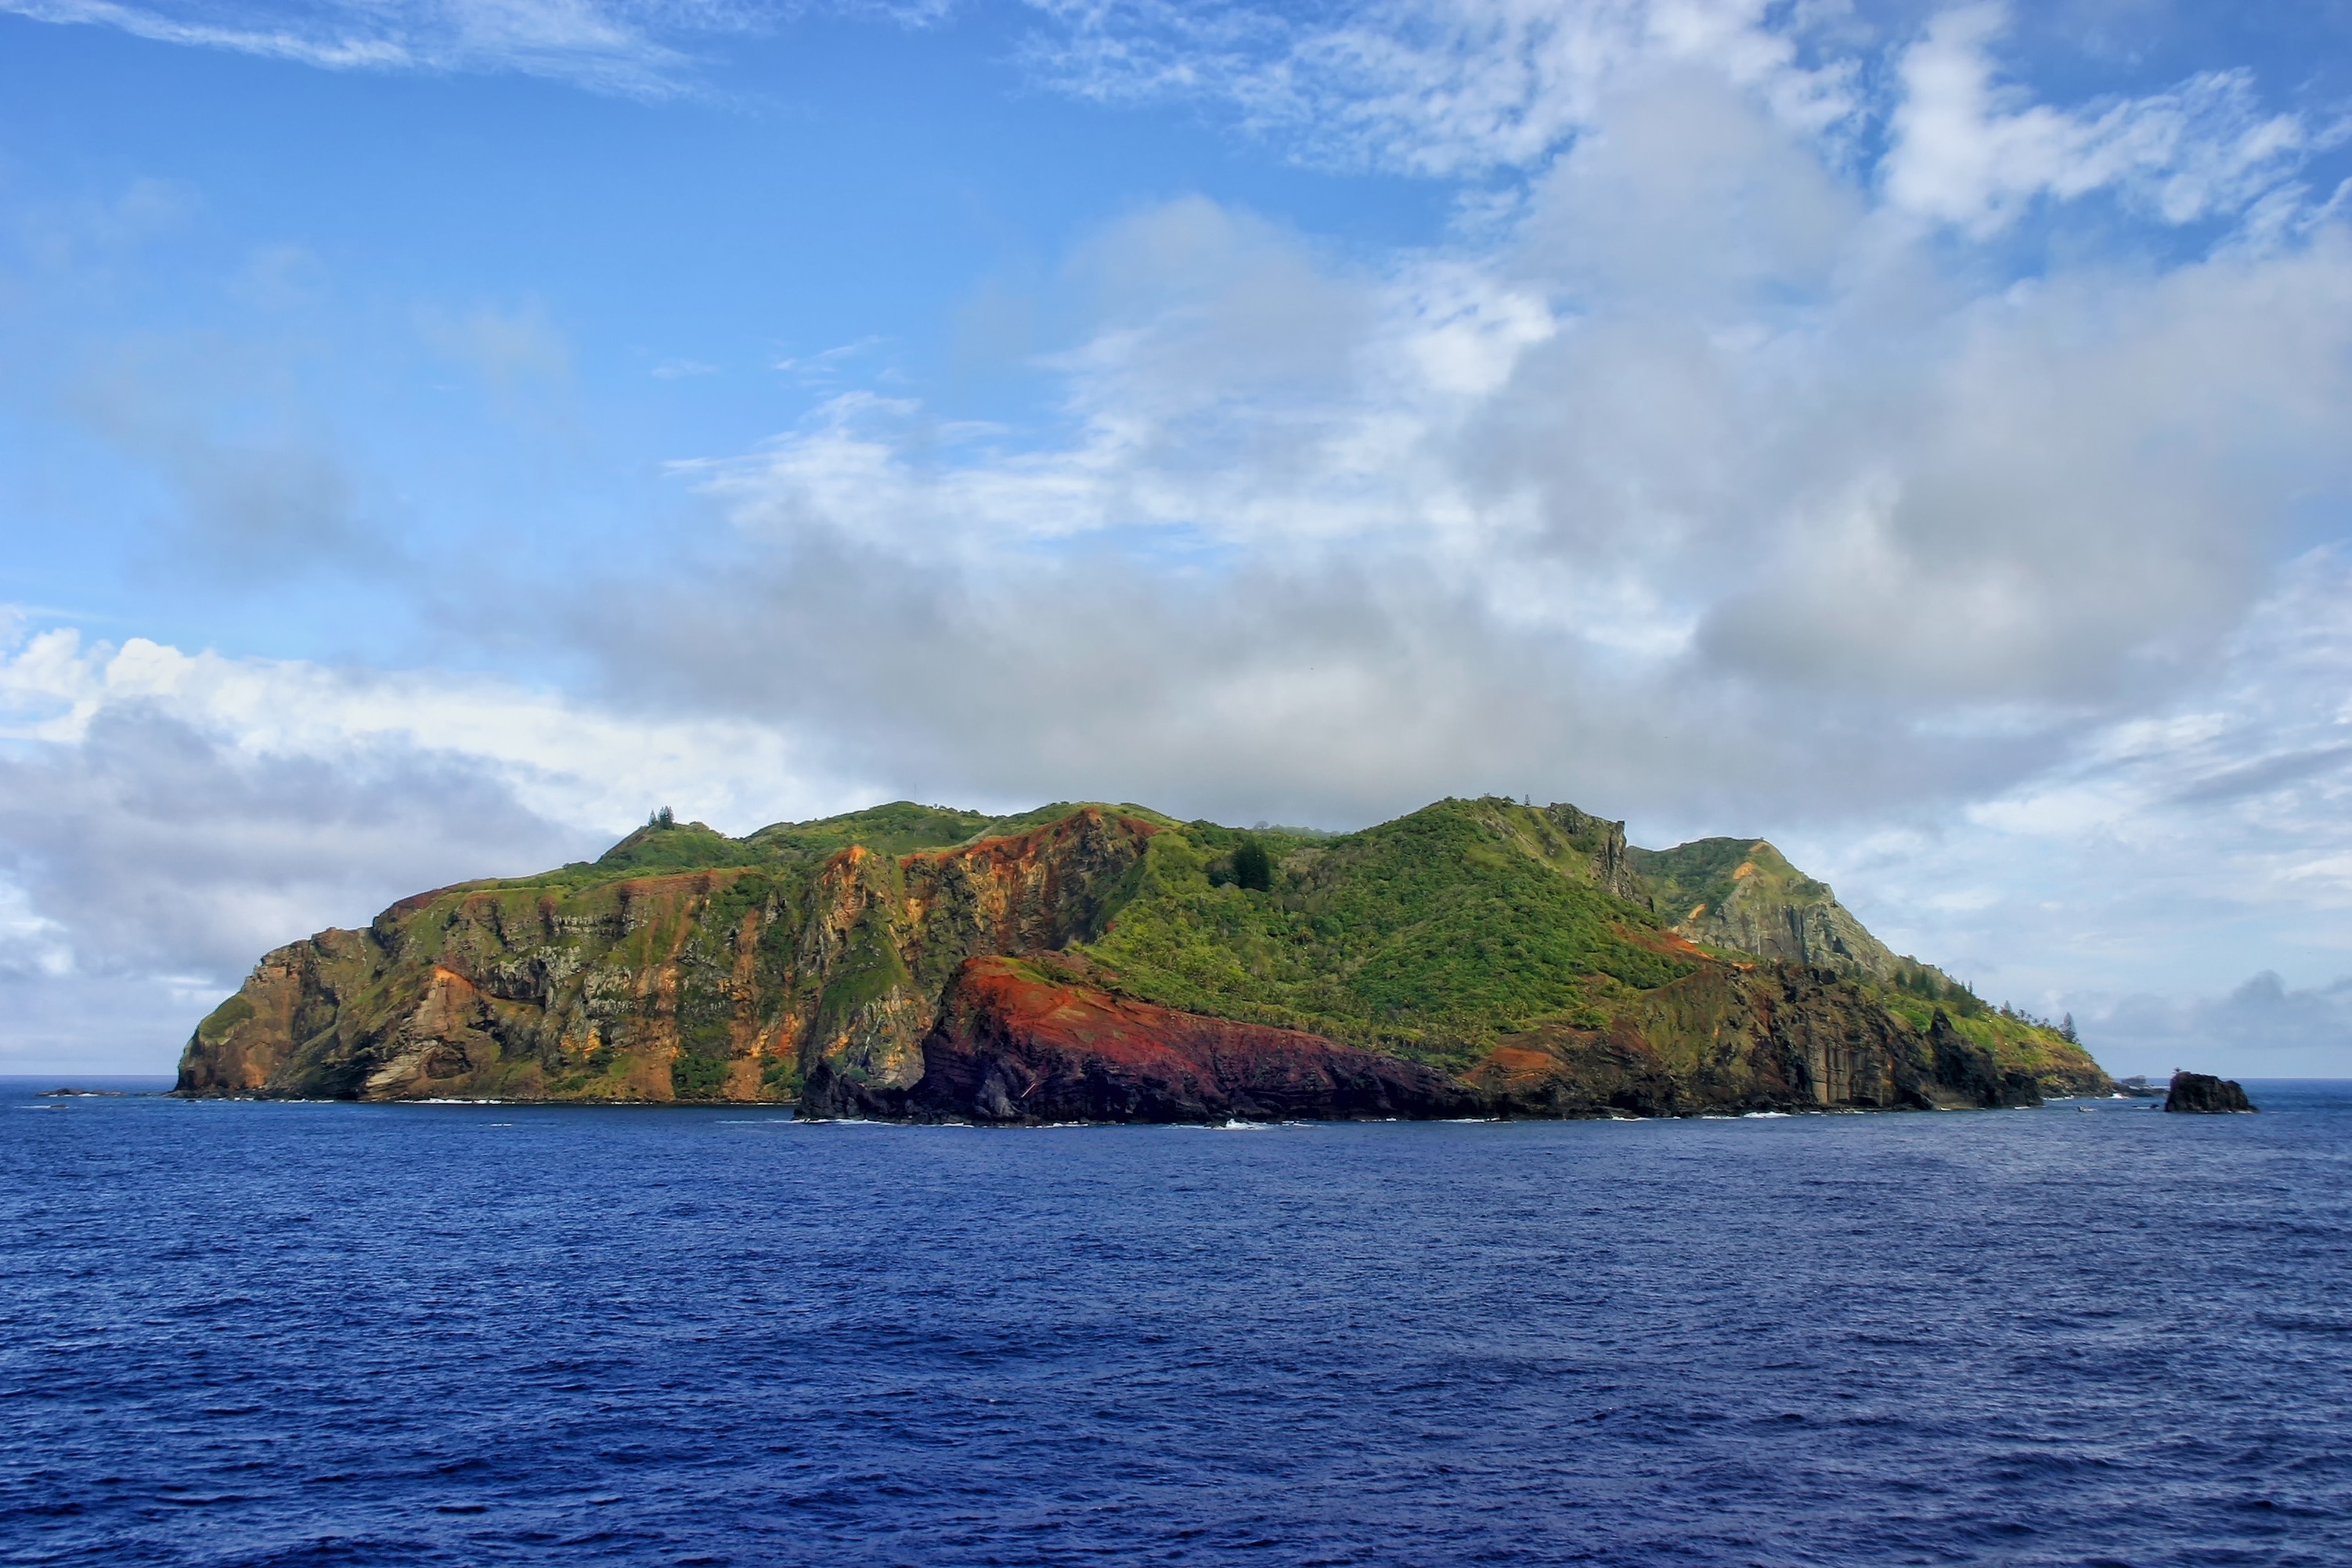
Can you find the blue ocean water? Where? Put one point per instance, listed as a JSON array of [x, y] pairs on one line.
[[293, 1333]]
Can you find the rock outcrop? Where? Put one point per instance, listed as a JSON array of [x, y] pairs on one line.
[[1031, 1043], [1732, 1040], [1745, 895], [1099, 963], [2202, 1094]]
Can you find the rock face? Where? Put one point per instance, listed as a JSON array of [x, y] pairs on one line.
[[1024, 1042], [1745, 895], [1604, 843], [1746, 1039], [2202, 1094], [738, 982], [1088, 964]]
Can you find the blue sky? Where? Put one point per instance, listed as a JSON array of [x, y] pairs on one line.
[[432, 434]]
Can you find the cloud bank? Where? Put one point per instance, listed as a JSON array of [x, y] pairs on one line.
[[165, 817], [1802, 431], [1721, 478]]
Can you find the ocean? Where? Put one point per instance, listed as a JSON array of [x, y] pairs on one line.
[[329, 1334]]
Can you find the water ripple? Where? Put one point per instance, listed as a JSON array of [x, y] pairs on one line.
[[314, 1334]]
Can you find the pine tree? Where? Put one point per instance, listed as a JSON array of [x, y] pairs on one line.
[[1253, 867]]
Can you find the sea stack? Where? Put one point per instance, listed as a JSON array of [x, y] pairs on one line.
[[2204, 1094]]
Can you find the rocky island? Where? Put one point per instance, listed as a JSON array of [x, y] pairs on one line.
[[1477, 957], [2201, 1093]]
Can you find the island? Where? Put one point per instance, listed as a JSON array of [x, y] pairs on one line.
[[2201, 1093], [1479, 958]]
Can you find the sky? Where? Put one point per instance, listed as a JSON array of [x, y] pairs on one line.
[[436, 433]]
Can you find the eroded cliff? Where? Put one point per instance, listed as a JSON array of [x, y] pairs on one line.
[[1103, 963]]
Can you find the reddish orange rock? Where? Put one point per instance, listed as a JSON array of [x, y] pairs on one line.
[[1016, 1043]]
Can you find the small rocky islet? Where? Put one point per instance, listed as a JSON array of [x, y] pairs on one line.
[[1101, 963], [2201, 1093]]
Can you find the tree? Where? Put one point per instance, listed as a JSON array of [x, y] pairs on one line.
[[2067, 1030], [661, 819], [1253, 867]]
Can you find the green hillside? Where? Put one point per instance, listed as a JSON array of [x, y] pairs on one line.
[[1528, 954], [1430, 936]]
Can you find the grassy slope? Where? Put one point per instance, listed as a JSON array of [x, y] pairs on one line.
[[900, 828], [1430, 936], [1705, 872]]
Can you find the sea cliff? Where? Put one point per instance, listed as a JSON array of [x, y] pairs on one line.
[[1109, 963]]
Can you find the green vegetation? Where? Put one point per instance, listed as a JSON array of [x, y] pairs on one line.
[[900, 828], [1706, 872], [661, 846], [218, 1024], [697, 1077], [1431, 935], [1930, 984]]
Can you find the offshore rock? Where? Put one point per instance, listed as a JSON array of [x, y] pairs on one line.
[[2201, 1094]]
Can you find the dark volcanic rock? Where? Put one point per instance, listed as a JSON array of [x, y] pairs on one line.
[[1037, 1040], [2205, 1094], [1756, 1038], [1016, 1042]]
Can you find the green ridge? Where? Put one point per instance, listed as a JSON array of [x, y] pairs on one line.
[[1432, 936]]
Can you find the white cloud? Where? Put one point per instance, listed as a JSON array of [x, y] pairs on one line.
[[2172, 852], [1707, 485], [609, 47], [638, 48], [1467, 87], [1966, 151], [166, 817], [1435, 89], [1801, 520], [582, 768], [30, 943], [2263, 1028]]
